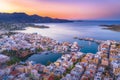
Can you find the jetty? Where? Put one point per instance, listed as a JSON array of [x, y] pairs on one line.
[[89, 39]]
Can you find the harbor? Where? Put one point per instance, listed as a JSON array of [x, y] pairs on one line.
[[59, 39]]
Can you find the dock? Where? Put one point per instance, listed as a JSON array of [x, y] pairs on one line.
[[89, 39]]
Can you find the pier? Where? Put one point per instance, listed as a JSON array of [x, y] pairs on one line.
[[89, 39]]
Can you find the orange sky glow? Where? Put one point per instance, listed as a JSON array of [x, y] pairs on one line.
[[61, 9]]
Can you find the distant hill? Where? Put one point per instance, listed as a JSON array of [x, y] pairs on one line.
[[25, 18]]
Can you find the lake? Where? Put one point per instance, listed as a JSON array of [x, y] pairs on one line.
[[44, 58]]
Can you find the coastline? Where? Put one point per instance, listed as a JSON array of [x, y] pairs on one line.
[[111, 27], [19, 26], [22, 52], [70, 60], [69, 63]]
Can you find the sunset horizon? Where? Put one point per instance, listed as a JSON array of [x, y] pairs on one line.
[[74, 10], [63, 18], [59, 39]]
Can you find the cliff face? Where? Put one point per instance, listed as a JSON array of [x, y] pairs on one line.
[[24, 18]]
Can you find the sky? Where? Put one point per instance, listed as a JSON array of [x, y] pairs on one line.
[[66, 9]]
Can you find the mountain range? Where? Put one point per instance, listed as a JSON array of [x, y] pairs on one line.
[[25, 18]]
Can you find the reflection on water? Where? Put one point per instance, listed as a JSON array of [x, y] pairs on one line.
[[44, 58], [52, 32], [66, 32]]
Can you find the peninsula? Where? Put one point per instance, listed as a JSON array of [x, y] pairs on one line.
[[111, 27], [19, 26]]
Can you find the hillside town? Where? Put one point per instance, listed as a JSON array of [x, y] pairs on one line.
[[72, 65]]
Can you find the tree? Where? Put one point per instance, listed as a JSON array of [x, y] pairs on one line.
[[48, 63], [56, 78], [13, 60]]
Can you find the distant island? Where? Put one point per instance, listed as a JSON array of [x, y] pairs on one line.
[[25, 18], [111, 27]]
